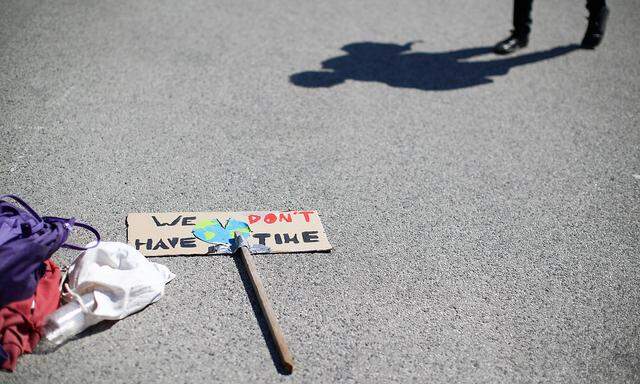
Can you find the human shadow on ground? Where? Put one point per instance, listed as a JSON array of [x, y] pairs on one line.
[[262, 322], [396, 66]]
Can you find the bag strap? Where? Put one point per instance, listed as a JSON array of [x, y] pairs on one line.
[[68, 223], [23, 204]]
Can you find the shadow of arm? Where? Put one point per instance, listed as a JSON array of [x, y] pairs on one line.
[[316, 79], [469, 52], [535, 56]]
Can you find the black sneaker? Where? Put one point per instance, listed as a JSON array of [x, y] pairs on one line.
[[510, 44], [595, 29]]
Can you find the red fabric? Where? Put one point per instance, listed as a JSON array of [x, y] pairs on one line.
[[21, 321]]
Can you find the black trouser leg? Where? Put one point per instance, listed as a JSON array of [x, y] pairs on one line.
[[595, 5], [522, 17]]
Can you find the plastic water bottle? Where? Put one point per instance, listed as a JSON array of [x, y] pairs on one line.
[[69, 320]]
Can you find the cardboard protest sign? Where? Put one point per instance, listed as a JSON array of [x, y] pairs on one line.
[[201, 233]]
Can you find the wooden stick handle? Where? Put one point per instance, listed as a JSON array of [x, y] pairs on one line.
[[265, 305]]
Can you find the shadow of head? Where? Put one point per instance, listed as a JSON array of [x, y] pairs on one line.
[[397, 66]]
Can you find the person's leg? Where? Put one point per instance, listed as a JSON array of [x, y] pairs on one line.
[[521, 28], [593, 6], [598, 15], [522, 18]]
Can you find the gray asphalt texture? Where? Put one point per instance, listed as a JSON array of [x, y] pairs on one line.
[[486, 233]]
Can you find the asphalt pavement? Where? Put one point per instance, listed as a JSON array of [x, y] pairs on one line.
[[483, 210]]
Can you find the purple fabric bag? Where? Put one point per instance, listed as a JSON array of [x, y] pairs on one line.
[[26, 241]]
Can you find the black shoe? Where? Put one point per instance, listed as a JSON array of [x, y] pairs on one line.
[[510, 44], [595, 29]]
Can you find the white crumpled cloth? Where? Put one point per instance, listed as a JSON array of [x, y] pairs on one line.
[[121, 279]]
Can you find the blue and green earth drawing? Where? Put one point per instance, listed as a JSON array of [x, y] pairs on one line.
[[212, 231]]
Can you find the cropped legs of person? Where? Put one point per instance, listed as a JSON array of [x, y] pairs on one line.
[[519, 38], [598, 15]]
